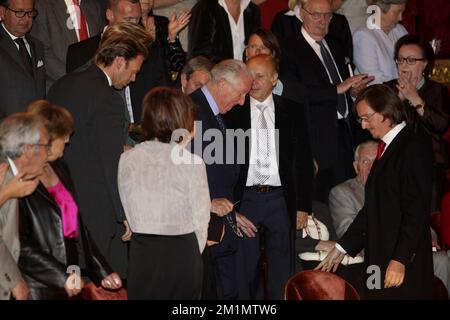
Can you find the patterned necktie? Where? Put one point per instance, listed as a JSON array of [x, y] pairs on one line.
[[81, 21], [262, 148], [222, 125], [24, 56], [329, 64], [380, 149]]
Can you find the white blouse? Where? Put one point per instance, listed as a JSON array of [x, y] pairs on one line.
[[164, 190]]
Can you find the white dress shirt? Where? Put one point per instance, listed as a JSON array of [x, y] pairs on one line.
[[373, 52], [388, 138], [162, 195], [12, 166], [316, 47], [269, 114], [237, 29], [74, 17]]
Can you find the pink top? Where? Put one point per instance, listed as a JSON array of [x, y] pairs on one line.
[[69, 209]]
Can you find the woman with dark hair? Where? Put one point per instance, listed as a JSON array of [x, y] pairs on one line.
[[263, 41], [165, 195], [52, 235], [425, 100]]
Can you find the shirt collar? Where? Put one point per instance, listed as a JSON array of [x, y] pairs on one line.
[[107, 77], [13, 37], [12, 166], [390, 136], [268, 102], [244, 4], [309, 39], [212, 103]]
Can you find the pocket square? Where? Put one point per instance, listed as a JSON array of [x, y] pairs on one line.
[[40, 63]]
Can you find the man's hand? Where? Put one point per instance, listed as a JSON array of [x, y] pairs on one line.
[[112, 282], [221, 206], [350, 82], [176, 24], [17, 187], [357, 87], [246, 226], [331, 261], [20, 291], [302, 220], [74, 284], [325, 245], [127, 234], [395, 274]]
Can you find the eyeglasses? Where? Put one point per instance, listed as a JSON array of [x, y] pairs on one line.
[[365, 118], [21, 13], [409, 60], [319, 15], [45, 145]]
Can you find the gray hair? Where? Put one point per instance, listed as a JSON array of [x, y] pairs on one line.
[[368, 143], [16, 131], [231, 70], [385, 5], [199, 63]]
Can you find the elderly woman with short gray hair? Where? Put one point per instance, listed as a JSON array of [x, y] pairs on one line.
[[374, 42]]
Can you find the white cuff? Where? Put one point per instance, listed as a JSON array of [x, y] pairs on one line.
[[338, 246]]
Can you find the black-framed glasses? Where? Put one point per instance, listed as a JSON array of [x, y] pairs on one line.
[[318, 15], [22, 13], [365, 118], [411, 61]]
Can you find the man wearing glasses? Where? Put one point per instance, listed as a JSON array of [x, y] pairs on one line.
[[22, 76], [315, 63]]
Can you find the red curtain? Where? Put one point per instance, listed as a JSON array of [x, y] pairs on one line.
[[430, 19], [269, 9]]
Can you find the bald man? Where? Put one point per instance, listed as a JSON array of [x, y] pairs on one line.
[[275, 183]]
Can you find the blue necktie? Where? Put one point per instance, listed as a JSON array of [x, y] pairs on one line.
[[222, 125]]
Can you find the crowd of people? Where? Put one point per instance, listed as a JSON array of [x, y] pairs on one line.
[[260, 153]]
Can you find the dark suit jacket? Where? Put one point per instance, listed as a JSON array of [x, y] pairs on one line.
[[305, 79], [209, 30], [284, 26], [295, 164], [51, 28], [45, 253], [154, 71], [393, 223], [19, 87], [95, 148], [221, 176]]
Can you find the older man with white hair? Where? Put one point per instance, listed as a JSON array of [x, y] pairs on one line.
[[24, 144]]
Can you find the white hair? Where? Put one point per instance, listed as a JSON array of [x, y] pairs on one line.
[[364, 145], [231, 70], [16, 131]]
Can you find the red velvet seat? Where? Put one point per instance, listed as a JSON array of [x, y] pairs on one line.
[[445, 219], [440, 291], [318, 285]]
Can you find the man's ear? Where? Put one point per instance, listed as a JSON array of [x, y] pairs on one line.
[[355, 166], [109, 15], [183, 79], [119, 62]]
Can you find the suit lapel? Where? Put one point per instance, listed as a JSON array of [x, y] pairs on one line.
[[312, 58], [63, 17], [33, 56], [7, 44], [92, 19]]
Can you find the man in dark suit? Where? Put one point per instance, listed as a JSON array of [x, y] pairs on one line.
[[155, 70], [287, 23], [230, 82], [275, 183], [22, 76], [392, 227], [315, 61], [97, 143], [210, 33], [61, 23]]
